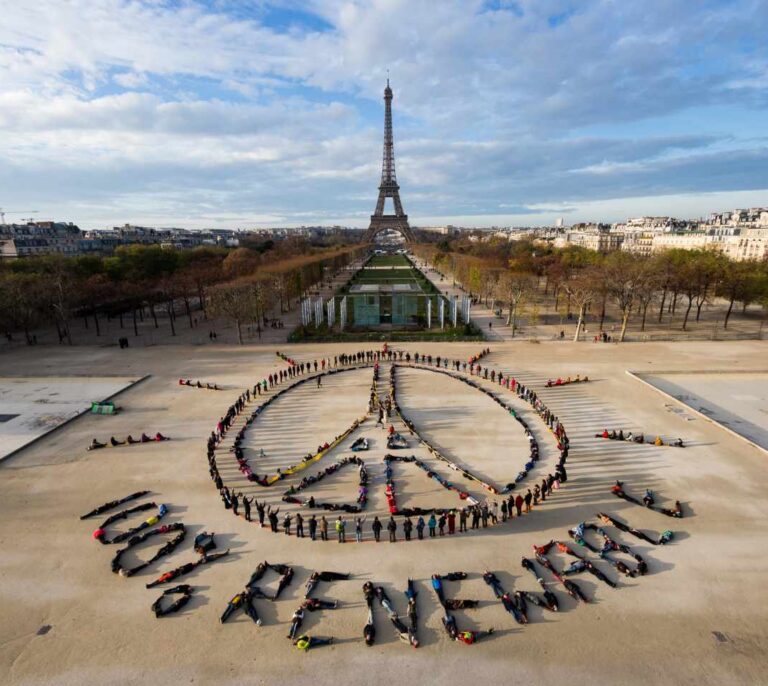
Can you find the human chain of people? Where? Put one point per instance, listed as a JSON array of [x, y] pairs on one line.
[[485, 511], [598, 558]]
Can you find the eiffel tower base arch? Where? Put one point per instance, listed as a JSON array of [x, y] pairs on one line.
[[389, 222]]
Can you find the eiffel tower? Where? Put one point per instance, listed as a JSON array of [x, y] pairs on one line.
[[388, 187]]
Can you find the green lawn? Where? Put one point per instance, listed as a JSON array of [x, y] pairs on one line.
[[388, 261], [323, 335]]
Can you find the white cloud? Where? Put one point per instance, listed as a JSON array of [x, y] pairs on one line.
[[117, 98]]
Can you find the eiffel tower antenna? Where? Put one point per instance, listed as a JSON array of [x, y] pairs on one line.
[[388, 187]]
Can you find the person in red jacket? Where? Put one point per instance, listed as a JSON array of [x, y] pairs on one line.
[[470, 637], [519, 504]]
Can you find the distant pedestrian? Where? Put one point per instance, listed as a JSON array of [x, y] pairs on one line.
[[392, 528]]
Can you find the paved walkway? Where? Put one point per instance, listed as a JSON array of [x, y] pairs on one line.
[[481, 315]]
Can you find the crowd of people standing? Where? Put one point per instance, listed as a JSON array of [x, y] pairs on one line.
[[504, 505]]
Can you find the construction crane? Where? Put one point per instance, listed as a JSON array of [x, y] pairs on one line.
[[4, 212]]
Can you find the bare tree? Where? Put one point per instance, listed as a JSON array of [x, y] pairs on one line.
[[581, 291], [620, 278], [513, 288], [238, 302]]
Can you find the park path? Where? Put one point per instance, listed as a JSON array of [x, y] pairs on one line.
[[481, 315]]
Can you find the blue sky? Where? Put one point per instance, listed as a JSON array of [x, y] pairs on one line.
[[256, 113]]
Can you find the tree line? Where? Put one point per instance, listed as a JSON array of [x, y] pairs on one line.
[[241, 285], [579, 280]]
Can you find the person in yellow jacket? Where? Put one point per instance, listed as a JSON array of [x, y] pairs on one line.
[[305, 642], [341, 527]]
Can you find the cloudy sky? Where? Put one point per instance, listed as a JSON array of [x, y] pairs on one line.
[[239, 113]]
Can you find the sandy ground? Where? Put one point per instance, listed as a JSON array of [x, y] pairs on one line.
[[656, 629]]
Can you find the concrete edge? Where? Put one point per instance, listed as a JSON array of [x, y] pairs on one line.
[[698, 371], [637, 376], [87, 410]]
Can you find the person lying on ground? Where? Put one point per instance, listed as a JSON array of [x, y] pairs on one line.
[[306, 642], [285, 578], [114, 442], [186, 594], [547, 602], [449, 623], [257, 575], [437, 585], [594, 571], [368, 593], [204, 542], [529, 566], [114, 503], [413, 616], [493, 581], [314, 604], [186, 568], [619, 565], [470, 637], [575, 568], [666, 537], [460, 604], [400, 628], [676, 511], [151, 521], [100, 533], [241, 601], [511, 606], [453, 576], [316, 577], [386, 603], [296, 621], [544, 562], [519, 599], [574, 591], [369, 630]]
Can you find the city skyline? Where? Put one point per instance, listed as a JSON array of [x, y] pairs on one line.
[[228, 114]]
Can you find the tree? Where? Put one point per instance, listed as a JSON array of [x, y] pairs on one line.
[[238, 302], [23, 302], [648, 284], [667, 265], [697, 278], [741, 282], [475, 282], [619, 279], [60, 289], [513, 288], [168, 291], [263, 294], [581, 291], [241, 262], [95, 291]]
